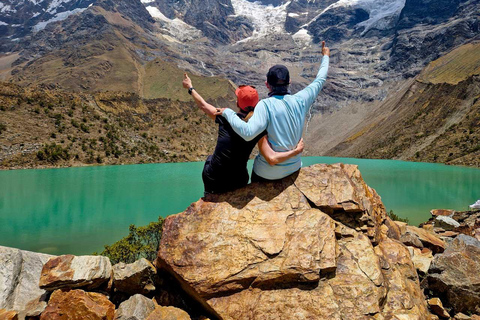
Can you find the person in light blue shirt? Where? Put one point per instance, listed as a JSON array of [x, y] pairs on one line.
[[283, 116]]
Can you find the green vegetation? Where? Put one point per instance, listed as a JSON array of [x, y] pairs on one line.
[[53, 153], [394, 217], [141, 242]]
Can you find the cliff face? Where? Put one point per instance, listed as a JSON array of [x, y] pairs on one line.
[[314, 246]]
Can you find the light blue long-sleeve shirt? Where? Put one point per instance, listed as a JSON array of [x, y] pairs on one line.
[[283, 117]]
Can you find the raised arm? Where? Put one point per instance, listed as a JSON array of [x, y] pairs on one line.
[[310, 93], [201, 103], [274, 157]]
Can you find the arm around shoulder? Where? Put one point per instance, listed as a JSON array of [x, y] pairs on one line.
[[273, 157]]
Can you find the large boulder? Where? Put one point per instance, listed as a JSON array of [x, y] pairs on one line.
[[299, 248], [168, 313], [78, 304], [19, 276], [455, 274], [70, 271]]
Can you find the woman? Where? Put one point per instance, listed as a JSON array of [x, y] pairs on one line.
[[226, 168]]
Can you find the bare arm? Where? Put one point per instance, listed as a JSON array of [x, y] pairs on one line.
[[201, 103], [274, 157]]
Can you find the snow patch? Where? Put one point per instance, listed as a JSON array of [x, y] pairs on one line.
[[3, 23], [266, 19], [53, 6], [147, 1], [58, 17], [302, 38], [382, 13], [6, 8], [175, 28]]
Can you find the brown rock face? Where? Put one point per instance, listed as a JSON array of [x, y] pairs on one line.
[[168, 313], [8, 315], [78, 304], [135, 277], [70, 271], [455, 274], [428, 239], [268, 251]]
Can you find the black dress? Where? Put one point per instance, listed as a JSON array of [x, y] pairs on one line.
[[226, 168]]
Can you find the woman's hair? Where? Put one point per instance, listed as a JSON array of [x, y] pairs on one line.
[[248, 112]]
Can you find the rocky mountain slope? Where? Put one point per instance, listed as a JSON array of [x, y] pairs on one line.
[[435, 118]]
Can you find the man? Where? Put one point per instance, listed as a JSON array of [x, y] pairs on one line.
[[282, 115]]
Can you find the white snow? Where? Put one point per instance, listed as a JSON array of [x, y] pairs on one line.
[[382, 13], [265, 19], [58, 17], [302, 38], [176, 28], [52, 7], [3, 23], [6, 8], [147, 1]]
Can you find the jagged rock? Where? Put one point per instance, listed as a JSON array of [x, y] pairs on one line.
[[19, 276], [8, 315], [421, 259], [78, 304], [70, 271], [135, 277], [446, 223], [168, 313], [411, 239], [442, 212], [267, 252], [455, 274], [428, 239], [138, 307], [436, 306], [448, 234], [461, 316]]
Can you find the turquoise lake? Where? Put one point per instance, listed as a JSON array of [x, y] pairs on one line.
[[78, 210]]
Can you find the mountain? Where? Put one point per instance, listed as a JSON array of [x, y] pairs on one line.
[[435, 118]]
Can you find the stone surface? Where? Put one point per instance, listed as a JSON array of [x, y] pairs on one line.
[[8, 315], [442, 212], [447, 223], [70, 271], [78, 304], [428, 239], [436, 306], [138, 307], [19, 276], [455, 274], [461, 316], [411, 239], [267, 251], [168, 313], [135, 277], [421, 259]]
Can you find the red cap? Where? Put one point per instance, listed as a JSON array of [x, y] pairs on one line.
[[247, 96]]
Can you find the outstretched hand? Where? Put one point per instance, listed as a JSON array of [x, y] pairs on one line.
[[187, 82], [325, 50]]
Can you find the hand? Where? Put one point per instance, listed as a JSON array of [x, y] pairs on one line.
[[300, 146], [325, 50], [187, 82], [219, 111]]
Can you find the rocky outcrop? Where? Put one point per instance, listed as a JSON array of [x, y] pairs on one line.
[[135, 277], [455, 274], [138, 307], [168, 313], [8, 315], [78, 304], [19, 276], [70, 271], [314, 245]]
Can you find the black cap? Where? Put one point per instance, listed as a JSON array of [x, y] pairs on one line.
[[278, 75]]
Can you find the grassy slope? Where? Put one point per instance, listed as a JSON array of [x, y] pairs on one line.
[[437, 119]]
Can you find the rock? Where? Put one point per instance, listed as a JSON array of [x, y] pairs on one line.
[[446, 223], [448, 234], [437, 308], [134, 278], [19, 276], [411, 239], [138, 307], [455, 274], [78, 304], [402, 225], [421, 259], [168, 313], [428, 239], [442, 212], [461, 316], [267, 251], [69, 271], [8, 315]]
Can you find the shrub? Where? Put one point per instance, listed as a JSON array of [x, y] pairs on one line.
[[394, 217], [84, 128], [53, 153], [141, 242]]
